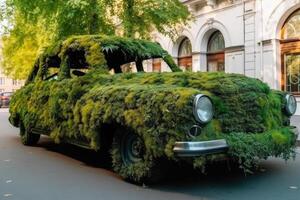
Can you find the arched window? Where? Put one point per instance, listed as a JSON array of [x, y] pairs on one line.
[[185, 48], [216, 43], [216, 52], [291, 28], [185, 54], [290, 52]]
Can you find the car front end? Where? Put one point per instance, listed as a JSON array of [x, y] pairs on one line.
[[203, 113], [210, 138]]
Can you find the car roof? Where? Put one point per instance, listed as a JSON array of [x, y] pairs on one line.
[[100, 51]]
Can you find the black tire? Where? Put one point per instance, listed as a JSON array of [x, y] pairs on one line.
[[28, 138], [132, 161]]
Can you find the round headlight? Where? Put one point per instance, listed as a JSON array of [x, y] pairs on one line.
[[291, 104], [203, 108]]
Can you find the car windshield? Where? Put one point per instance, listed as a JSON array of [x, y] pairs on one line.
[[150, 65], [51, 74]]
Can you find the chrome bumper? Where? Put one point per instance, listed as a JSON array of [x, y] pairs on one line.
[[193, 149]]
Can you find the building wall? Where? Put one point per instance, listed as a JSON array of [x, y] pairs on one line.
[[9, 85], [251, 30]]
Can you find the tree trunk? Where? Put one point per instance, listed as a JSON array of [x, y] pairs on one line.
[[94, 23], [128, 6], [139, 66]]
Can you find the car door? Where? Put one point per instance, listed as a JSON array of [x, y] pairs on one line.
[[62, 94], [38, 104]]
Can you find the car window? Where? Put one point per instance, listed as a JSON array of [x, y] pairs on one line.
[[150, 65], [53, 77], [51, 74], [79, 72]]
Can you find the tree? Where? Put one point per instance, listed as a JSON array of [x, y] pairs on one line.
[[34, 24], [140, 17]]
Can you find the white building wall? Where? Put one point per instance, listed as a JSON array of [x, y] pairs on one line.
[[271, 18], [6, 83], [234, 62], [199, 31], [9, 85], [251, 29], [250, 38]]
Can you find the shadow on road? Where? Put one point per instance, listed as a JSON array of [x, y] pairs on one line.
[[219, 181], [87, 157], [219, 173], [67, 163]]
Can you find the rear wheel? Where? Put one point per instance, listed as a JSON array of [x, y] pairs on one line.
[[131, 160], [28, 138]]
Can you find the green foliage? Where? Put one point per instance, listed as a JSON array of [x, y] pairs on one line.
[[141, 17], [158, 107], [100, 52], [35, 24], [248, 148], [21, 48], [169, 60]]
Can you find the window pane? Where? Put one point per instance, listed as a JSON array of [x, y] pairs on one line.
[[291, 29], [185, 48], [51, 74], [216, 42], [2, 81], [215, 66], [293, 73], [156, 64]]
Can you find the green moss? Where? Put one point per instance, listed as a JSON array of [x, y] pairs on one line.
[[249, 148], [169, 60], [157, 106], [279, 138], [102, 52], [134, 118], [159, 111]]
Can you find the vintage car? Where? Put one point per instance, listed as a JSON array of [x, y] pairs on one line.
[[5, 99], [76, 93]]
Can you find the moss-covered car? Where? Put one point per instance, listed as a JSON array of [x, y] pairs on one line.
[[145, 119]]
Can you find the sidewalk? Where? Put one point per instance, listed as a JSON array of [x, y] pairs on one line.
[[3, 110], [296, 122]]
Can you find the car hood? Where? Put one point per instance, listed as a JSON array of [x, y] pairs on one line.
[[242, 104]]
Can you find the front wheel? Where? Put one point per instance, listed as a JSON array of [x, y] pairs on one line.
[[28, 138], [131, 160]]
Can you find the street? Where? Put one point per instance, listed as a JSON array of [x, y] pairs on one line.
[[63, 172]]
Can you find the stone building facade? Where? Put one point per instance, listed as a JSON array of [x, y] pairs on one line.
[[7, 84], [257, 38]]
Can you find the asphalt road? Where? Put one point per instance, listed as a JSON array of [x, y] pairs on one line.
[[296, 122], [62, 172]]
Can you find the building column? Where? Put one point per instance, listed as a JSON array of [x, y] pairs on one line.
[[203, 62], [196, 62], [249, 40]]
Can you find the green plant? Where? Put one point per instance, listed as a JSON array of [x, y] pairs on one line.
[[32, 25], [156, 106]]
